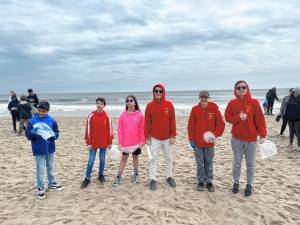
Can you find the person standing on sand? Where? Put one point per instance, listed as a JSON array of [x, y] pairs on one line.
[[13, 108], [205, 117], [24, 109], [283, 111], [248, 122], [271, 96], [160, 133]]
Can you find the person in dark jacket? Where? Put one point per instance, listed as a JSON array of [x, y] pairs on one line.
[[32, 98], [293, 116], [43, 150], [13, 108], [271, 96], [24, 109], [283, 111]]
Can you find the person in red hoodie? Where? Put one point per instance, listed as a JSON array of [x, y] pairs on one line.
[[160, 133], [248, 122], [98, 135], [204, 126]]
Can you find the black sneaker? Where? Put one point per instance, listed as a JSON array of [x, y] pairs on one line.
[[200, 186], [40, 193], [235, 188], [210, 187], [171, 182], [152, 185], [85, 183], [55, 186], [101, 178], [248, 190]]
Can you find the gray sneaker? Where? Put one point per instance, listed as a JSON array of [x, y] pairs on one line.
[[136, 178], [117, 181], [40, 194], [171, 182], [200, 186], [152, 185]]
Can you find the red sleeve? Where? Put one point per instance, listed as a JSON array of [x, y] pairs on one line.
[[230, 117], [220, 125], [88, 129], [110, 135], [191, 126], [260, 122], [172, 122], [147, 129]]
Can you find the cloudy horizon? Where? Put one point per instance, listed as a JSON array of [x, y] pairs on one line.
[[102, 46]]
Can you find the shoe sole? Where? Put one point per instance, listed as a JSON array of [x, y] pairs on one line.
[[41, 197]]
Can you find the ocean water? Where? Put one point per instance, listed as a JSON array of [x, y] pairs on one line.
[[81, 104]]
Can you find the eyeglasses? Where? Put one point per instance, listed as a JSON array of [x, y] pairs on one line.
[[129, 100], [241, 88], [158, 91]]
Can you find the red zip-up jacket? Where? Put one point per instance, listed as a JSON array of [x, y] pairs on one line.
[[99, 131], [254, 125], [160, 122], [202, 120]]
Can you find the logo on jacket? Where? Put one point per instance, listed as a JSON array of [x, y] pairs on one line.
[[248, 108], [210, 115], [166, 111]]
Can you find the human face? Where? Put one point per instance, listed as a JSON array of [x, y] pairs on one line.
[[204, 101], [241, 89], [296, 94], [42, 112], [130, 104], [158, 92], [100, 106]]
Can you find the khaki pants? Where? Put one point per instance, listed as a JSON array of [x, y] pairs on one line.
[[21, 125]]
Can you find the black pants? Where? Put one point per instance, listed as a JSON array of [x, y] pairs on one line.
[[294, 127], [15, 118], [270, 105], [283, 126]]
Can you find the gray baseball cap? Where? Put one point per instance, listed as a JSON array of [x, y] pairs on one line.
[[204, 93]]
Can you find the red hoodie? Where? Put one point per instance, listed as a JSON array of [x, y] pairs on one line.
[[202, 120], [254, 125], [160, 120], [99, 132]]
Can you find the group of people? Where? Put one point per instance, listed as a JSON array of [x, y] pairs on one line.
[[22, 109], [157, 129]]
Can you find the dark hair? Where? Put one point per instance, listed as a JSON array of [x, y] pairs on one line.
[[240, 81], [101, 99], [30, 90], [44, 105], [137, 107], [23, 98]]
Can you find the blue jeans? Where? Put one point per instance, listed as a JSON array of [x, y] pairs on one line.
[[92, 156], [40, 166], [204, 162]]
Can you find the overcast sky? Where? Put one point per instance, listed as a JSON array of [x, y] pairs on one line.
[[126, 45]]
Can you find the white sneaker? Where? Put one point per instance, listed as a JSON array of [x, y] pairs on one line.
[[56, 187], [136, 178], [40, 194]]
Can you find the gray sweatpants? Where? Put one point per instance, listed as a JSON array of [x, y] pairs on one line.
[[241, 148]]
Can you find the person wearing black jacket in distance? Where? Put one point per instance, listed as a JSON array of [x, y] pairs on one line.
[[13, 108], [271, 96], [32, 98], [24, 109]]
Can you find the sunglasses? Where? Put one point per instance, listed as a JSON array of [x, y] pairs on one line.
[[241, 88], [158, 91], [129, 100]]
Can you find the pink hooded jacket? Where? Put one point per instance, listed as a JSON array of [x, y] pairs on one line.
[[131, 129]]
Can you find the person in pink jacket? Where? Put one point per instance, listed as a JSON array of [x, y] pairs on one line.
[[130, 137]]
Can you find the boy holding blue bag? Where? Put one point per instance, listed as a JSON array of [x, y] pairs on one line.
[[42, 131]]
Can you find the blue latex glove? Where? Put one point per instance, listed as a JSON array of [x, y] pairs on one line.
[[193, 145], [34, 131]]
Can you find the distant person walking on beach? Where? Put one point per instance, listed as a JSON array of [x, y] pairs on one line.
[[13, 108], [32, 98], [130, 137], [43, 149], [160, 133], [293, 116], [98, 135], [204, 126], [282, 112], [12, 93], [24, 109], [248, 122], [271, 96]]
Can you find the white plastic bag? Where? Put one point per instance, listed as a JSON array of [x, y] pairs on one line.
[[267, 149], [44, 130], [209, 137], [114, 153]]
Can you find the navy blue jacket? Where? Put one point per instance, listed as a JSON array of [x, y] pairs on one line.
[[33, 99], [24, 110], [39, 145]]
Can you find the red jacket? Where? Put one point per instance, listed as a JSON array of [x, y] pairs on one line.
[[99, 132], [202, 120], [254, 125], [160, 121]]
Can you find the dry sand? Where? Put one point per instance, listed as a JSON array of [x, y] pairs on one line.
[[276, 198]]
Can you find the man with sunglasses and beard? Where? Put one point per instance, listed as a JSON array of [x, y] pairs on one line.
[[248, 122], [160, 133]]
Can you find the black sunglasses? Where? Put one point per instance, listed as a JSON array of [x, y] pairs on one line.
[[129, 100], [241, 88], [158, 91]]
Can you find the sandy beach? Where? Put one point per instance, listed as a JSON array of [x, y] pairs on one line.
[[276, 198]]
